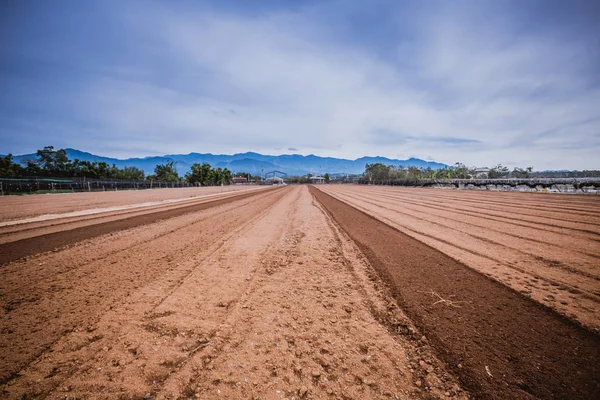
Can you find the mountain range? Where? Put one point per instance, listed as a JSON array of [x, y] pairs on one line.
[[254, 163]]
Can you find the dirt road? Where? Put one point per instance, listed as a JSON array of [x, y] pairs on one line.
[[543, 245], [260, 296]]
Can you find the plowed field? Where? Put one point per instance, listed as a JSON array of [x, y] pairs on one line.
[[545, 246], [288, 292]]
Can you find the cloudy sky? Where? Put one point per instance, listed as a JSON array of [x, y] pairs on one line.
[[481, 82]]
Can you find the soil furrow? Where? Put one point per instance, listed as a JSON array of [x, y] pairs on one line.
[[574, 296], [28, 206], [50, 271], [510, 215], [477, 245], [499, 338], [67, 299], [14, 250], [478, 219], [551, 200], [495, 237], [147, 305]]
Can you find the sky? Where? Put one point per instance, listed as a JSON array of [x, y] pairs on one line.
[[479, 82]]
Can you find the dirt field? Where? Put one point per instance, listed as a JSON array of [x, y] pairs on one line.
[[545, 246], [261, 296], [17, 207], [282, 293]]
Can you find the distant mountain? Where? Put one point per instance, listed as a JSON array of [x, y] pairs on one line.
[[255, 163]]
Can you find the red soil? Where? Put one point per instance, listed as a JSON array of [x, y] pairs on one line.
[[257, 296], [545, 246], [500, 343], [15, 207], [278, 294]]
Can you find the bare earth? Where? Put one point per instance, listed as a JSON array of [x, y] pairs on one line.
[[290, 293], [545, 246], [258, 297], [18, 207]]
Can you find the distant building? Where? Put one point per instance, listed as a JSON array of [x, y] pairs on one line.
[[317, 179], [239, 179], [273, 180], [481, 173]]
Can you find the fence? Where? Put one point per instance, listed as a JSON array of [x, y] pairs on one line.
[[555, 185], [28, 185], [533, 182]]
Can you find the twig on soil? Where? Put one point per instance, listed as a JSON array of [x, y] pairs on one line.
[[204, 344], [449, 303]]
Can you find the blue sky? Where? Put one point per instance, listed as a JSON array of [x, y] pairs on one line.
[[481, 82]]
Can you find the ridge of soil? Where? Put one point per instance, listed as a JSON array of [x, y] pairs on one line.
[[34, 245], [498, 342], [536, 253], [14, 207], [258, 298]]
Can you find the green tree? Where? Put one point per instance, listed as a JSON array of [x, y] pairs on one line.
[[377, 172], [131, 174], [200, 174], [54, 162], [326, 176], [8, 168], [521, 173], [498, 171], [459, 171], [226, 177], [32, 168], [166, 172]]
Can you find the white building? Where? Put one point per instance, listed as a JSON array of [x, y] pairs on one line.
[[481, 173], [274, 180]]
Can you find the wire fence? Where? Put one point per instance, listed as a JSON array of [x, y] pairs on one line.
[[30, 185], [531, 182]]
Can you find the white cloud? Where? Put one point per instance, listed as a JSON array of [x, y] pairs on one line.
[[461, 89]]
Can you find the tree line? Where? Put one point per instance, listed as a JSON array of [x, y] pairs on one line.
[[380, 173], [49, 162], [55, 163]]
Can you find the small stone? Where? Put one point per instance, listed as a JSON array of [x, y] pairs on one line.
[[303, 391], [459, 365], [418, 383], [316, 373]]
